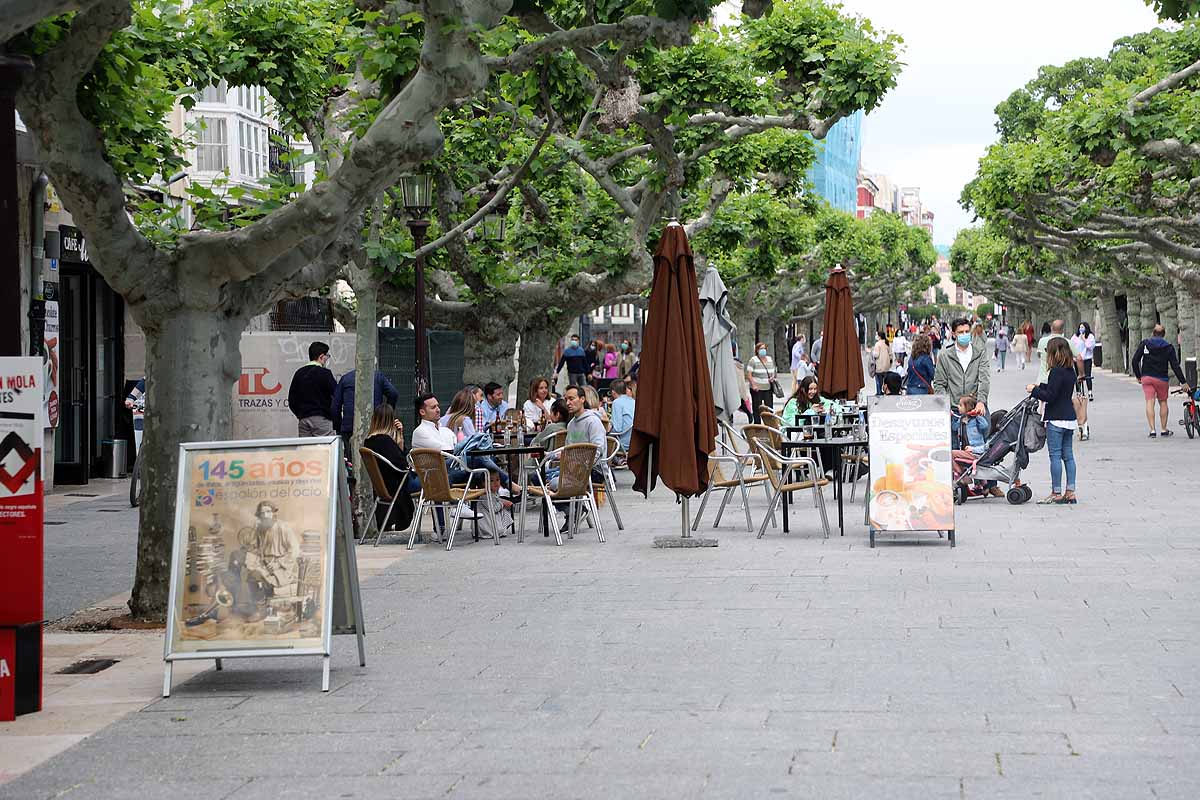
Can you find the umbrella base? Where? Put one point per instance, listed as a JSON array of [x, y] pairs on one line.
[[679, 541]]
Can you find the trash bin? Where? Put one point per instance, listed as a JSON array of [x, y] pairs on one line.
[[112, 458], [1098, 355]]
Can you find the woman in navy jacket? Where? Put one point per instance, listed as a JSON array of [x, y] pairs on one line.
[[920, 368], [1059, 417]]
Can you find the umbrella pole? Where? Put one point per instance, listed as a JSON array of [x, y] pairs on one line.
[[687, 519]]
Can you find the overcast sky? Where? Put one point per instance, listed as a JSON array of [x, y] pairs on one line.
[[962, 59]]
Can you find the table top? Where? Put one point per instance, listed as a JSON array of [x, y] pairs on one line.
[[507, 451], [837, 441]]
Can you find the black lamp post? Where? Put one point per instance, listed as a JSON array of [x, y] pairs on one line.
[[418, 199]]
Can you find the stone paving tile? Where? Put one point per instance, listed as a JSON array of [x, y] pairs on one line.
[[1051, 654]]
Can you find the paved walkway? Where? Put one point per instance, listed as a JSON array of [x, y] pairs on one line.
[[1053, 653]]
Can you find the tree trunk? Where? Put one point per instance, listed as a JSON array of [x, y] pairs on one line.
[[779, 343], [1110, 333], [1165, 300], [536, 356], [488, 353], [192, 363], [743, 316], [1185, 304], [1149, 315], [366, 345]]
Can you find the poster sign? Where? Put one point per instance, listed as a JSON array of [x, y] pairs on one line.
[[50, 338], [256, 549], [269, 360], [911, 473], [21, 507]]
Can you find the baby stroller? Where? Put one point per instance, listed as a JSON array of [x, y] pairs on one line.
[[1018, 432]]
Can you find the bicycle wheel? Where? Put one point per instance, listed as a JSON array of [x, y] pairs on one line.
[[1190, 423], [135, 482]]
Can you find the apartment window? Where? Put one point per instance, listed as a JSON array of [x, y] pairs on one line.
[[214, 94], [212, 145], [252, 149], [252, 99]]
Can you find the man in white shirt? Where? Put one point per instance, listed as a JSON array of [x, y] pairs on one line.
[[429, 433]]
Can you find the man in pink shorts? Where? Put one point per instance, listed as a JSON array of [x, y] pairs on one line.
[[1150, 363]]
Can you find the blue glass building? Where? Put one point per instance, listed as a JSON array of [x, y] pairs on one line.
[[834, 175]]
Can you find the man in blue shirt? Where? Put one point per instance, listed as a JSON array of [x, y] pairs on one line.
[[494, 404], [343, 401], [622, 413]]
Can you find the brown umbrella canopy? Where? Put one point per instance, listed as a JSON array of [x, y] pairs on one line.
[[674, 416], [841, 373]]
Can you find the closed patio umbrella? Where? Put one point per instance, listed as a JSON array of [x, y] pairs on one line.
[[718, 336], [674, 425], [841, 373]]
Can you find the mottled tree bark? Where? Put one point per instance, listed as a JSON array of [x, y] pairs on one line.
[[1110, 334], [538, 344]]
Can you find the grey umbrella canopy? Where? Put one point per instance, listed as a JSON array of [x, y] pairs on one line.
[[718, 338]]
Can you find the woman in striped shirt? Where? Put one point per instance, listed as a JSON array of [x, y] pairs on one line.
[[760, 371]]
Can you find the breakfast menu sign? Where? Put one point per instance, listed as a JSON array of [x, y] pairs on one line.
[[911, 474]]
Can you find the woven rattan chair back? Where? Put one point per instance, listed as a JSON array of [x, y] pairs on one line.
[[556, 440], [430, 466], [770, 437], [371, 462], [575, 469], [715, 473], [772, 419]]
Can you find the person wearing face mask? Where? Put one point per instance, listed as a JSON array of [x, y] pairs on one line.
[[575, 360], [963, 368], [310, 397], [1084, 343], [760, 371], [626, 361]]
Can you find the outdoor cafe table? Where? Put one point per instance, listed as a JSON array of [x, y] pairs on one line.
[[518, 453], [837, 443]]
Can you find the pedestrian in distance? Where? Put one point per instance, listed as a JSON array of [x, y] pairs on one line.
[[919, 379], [1001, 347], [310, 397], [881, 360], [574, 358], [1084, 343], [1151, 360], [760, 372], [1061, 422], [1020, 346]]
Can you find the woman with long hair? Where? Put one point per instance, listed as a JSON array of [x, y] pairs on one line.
[[803, 401], [460, 419], [626, 361], [539, 400], [1084, 342], [1059, 417], [920, 370], [385, 438]]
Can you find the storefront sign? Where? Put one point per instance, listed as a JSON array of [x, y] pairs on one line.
[[911, 474], [74, 246], [21, 507], [269, 360], [260, 530]]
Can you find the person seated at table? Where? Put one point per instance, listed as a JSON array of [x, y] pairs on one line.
[[892, 382], [502, 510], [539, 400], [460, 419], [805, 401], [622, 413], [556, 416], [385, 438], [494, 404], [584, 426], [593, 403]]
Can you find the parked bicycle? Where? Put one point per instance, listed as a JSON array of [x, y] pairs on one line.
[[1191, 414]]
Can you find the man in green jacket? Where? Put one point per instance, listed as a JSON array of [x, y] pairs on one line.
[[963, 368]]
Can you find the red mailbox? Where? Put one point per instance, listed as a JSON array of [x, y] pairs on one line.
[[21, 507]]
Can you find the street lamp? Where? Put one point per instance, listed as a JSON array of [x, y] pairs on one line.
[[495, 222], [417, 191]]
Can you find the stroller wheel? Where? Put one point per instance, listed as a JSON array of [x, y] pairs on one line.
[[1016, 495], [1028, 490], [960, 495]]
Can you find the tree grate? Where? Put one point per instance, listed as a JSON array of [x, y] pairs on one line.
[[88, 666]]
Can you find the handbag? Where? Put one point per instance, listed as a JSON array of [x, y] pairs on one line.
[[776, 389], [871, 367]]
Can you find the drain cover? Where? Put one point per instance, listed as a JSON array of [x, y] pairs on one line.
[[49, 522], [80, 494], [111, 510], [89, 666]]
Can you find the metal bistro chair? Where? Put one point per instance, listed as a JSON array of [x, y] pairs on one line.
[[780, 469], [371, 461], [574, 487], [609, 485], [436, 491], [717, 480]]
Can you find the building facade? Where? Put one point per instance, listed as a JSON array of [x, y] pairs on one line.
[[834, 174]]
